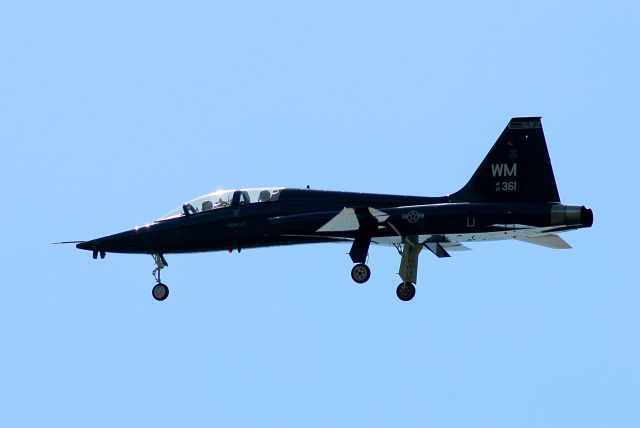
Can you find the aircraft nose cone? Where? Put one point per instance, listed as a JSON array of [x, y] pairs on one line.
[[106, 243], [130, 241], [83, 246]]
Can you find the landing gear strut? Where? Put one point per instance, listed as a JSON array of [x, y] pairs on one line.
[[408, 268], [360, 273], [159, 291]]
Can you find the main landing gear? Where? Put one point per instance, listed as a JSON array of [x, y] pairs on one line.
[[406, 291], [409, 250], [159, 291], [408, 268], [360, 273]]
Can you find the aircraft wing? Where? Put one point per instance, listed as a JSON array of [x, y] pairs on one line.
[[347, 219], [350, 219], [549, 241]]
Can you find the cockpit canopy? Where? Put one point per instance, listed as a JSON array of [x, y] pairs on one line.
[[224, 198]]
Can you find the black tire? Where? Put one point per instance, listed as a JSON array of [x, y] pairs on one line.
[[160, 292], [360, 273], [406, 291]]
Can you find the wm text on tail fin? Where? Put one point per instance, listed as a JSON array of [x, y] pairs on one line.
[[516, 169]]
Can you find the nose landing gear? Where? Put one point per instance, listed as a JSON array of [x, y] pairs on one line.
[[159, 291]]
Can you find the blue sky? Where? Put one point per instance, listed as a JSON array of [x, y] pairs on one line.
[[113, 113]]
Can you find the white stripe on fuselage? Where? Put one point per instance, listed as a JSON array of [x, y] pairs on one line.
[[475, 237], [520, 231]]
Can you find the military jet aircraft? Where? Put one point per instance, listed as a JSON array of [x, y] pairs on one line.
[[512, 195]]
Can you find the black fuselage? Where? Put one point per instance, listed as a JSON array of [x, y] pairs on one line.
[[298, 214]]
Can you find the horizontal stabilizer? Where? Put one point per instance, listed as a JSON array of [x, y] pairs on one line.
[[549, 241], [455, 246]]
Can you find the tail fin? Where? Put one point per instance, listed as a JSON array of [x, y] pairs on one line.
[[516, 169]]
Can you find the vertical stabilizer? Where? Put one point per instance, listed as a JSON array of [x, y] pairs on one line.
[[516, 169]]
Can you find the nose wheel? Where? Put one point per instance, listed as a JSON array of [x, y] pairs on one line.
[[360, 273], [159, 291]]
